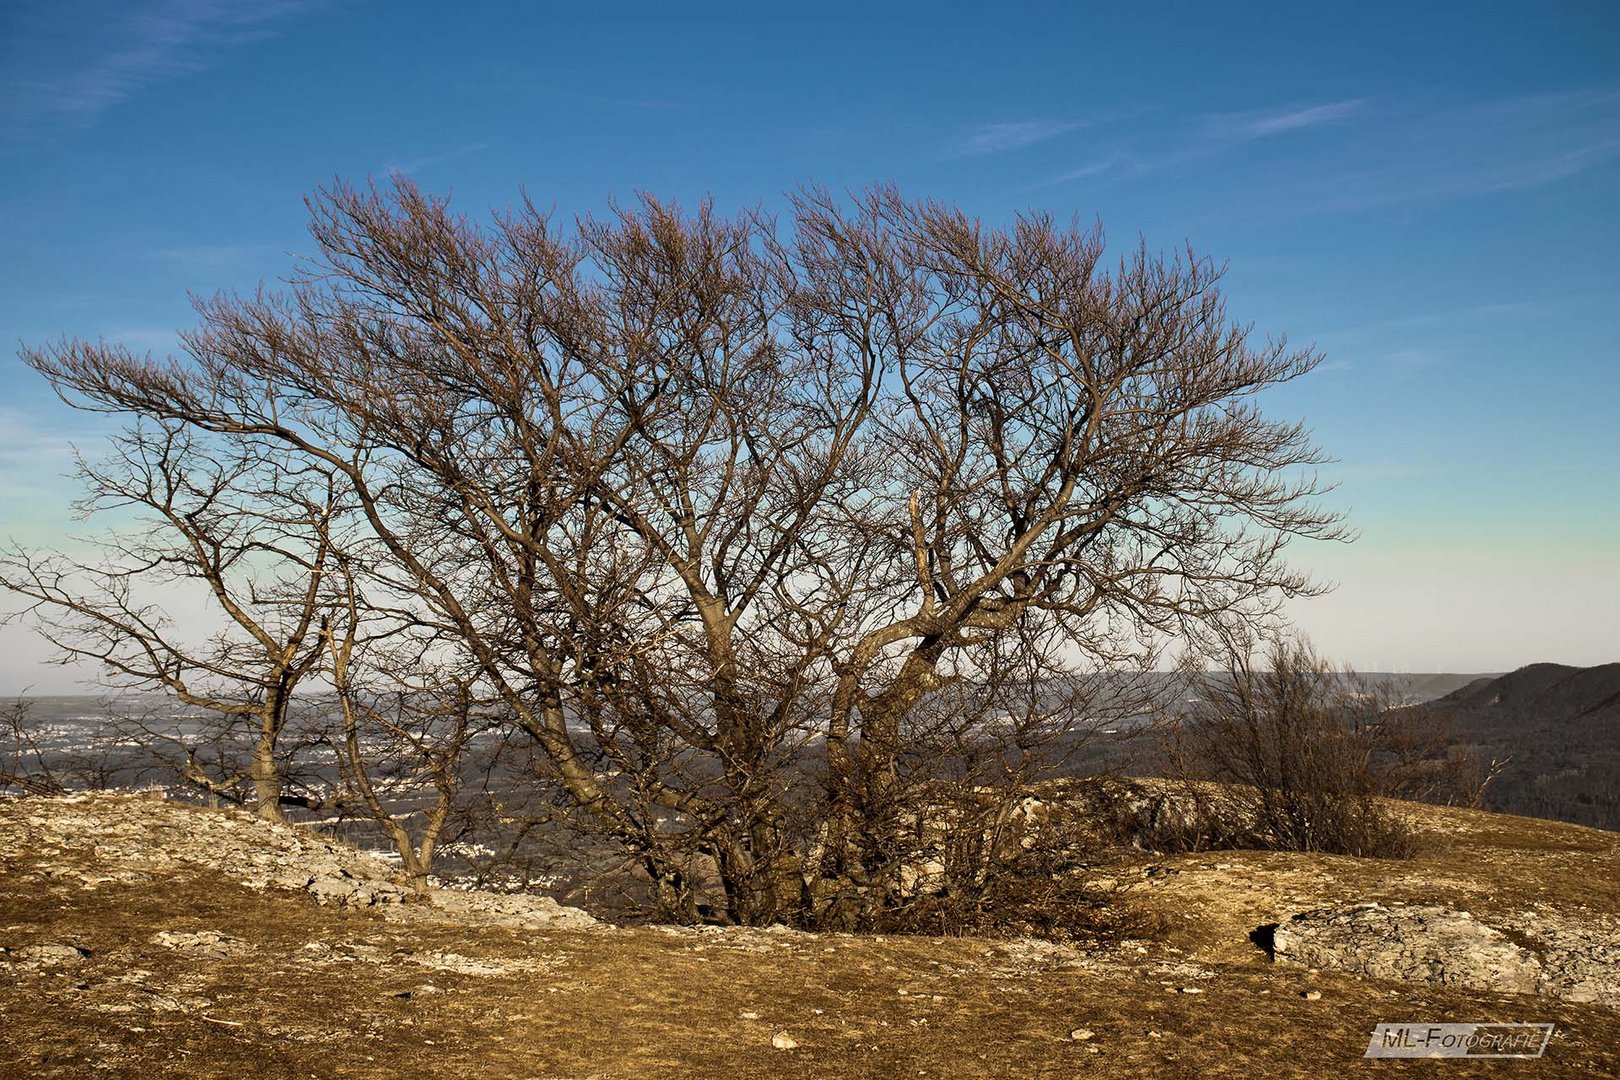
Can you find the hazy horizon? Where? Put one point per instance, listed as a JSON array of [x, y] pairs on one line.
[[68, 691]]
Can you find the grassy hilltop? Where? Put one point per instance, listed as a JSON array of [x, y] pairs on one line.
[[133, 949]]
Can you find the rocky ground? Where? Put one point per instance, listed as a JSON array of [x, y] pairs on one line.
[[149, 939]]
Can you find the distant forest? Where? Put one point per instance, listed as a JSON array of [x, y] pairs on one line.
[[1558, 728]]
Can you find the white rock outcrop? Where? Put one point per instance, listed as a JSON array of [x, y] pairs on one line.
[[1563, 956]]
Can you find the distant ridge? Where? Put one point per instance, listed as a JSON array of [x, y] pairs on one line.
[[1560, 725], [1554, 692], [1425, 686]]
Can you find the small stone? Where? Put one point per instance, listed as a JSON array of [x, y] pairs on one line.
[[1082, 1034], [1311, 995], [52, 955], [1190, 990], [749, 1015], [783, 1041]]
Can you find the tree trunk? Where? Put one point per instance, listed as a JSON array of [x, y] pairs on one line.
[[266, 780]]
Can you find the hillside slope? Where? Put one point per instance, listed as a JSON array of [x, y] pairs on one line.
[[134, 948], [1558, 727]]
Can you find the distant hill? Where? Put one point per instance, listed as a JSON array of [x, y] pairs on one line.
[[1560, 728], [1424, 686]]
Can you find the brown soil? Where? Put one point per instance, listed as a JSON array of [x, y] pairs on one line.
[[276, 986]]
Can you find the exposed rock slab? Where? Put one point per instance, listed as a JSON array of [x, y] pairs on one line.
[[1580, 955], [516, 910], [1574, 958], [103, 838], [132, 839], [46, 955]]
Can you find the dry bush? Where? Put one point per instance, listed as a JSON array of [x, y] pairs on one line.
[[1062, 908], [1419, 755], [1173, 816], [1015, 864], [1308, 753], [35, 761]]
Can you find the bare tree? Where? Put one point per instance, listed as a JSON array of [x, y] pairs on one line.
[[719, 515], [1312, 752], [237, 524], [404, 723]]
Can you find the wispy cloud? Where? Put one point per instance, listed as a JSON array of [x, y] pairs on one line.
[[1405, 152], [1555, 166], [1005, 137], [146, 46], [214, 256], [412, 165], [1507, 144], [1258, 125], [1447, 320], [1115, 164], [1191, 138]]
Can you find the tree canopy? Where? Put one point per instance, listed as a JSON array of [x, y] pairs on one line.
[[759, 531]]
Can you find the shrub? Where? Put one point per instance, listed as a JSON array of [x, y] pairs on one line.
[[1307, 751]]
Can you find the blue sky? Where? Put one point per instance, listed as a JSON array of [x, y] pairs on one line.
[[1426, 191]]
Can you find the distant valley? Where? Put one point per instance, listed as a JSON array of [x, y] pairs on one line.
[[1556, 728]]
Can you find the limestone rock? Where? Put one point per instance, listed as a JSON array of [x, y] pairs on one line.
[[134, 839], [101, 838], [1408, 944], [201, 943], [516, 910], [50, 955], [1576, 958], [1580, 955]]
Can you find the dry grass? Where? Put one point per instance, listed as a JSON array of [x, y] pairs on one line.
[[312, 992]]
